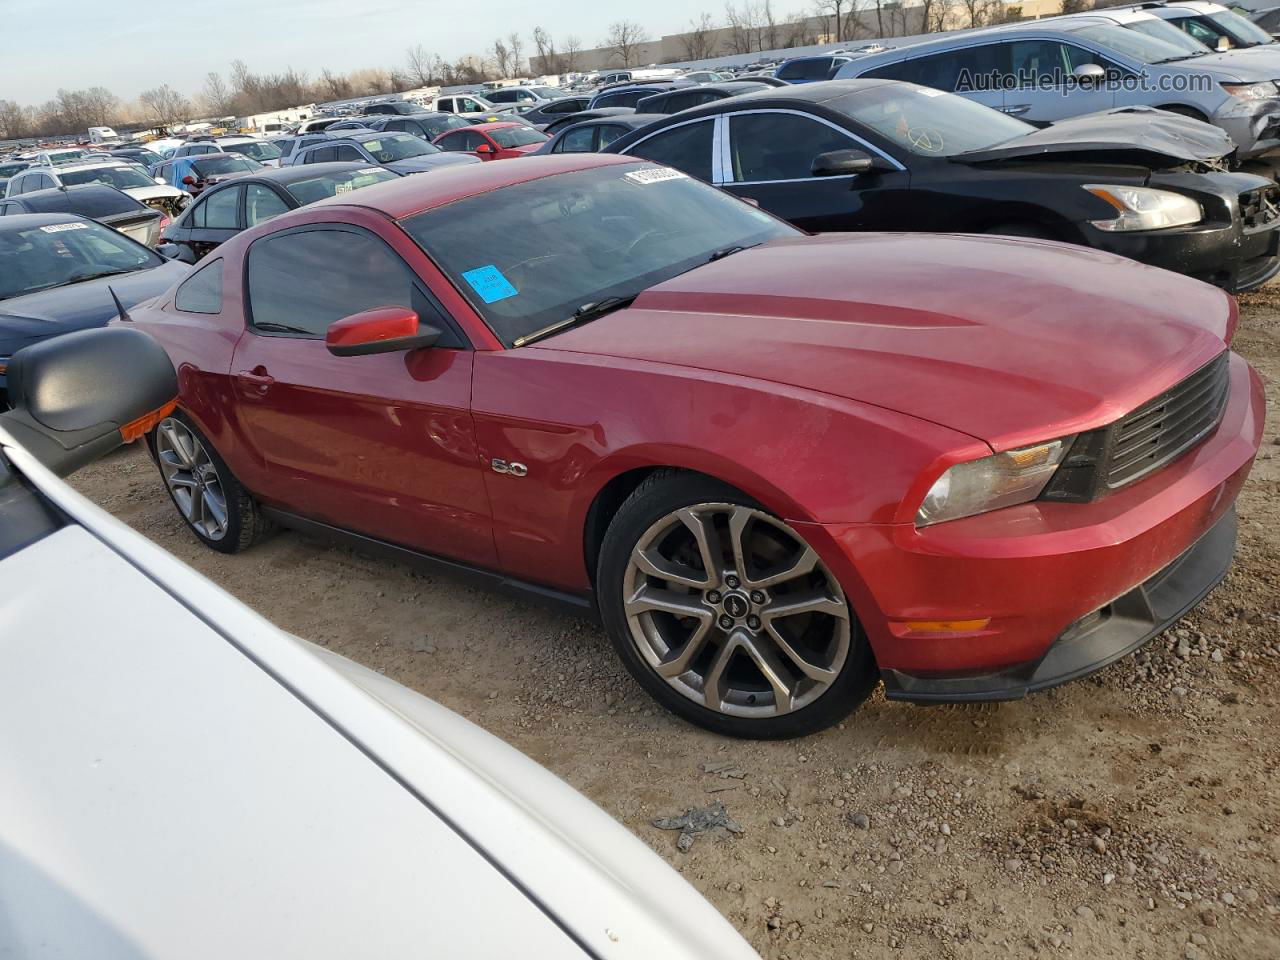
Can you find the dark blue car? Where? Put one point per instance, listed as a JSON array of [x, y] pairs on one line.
[[810, 69], [57, 274]]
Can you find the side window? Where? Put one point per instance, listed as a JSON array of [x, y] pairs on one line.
[[792, 71], [261, 203], [610, 133], [347, 152], [222, 209], [683, 101], [44, 182], [567, 105], [453, 142], [470, 106], [686, 147], [819, 68], [581, 140], [400, 126], [1039, 61], [163, 172], [202, 291], [349, 272], [779, 146], [321, 155]]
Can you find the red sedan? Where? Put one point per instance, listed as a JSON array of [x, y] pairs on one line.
[[781, 467], [492, 141]]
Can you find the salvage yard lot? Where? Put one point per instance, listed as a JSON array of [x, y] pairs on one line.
[[1133, 814]]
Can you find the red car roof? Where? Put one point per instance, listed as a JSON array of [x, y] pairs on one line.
[[423, 191]]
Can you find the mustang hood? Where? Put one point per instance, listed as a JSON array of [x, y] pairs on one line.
[[1128, 134], [1009, 341], [77, 306]]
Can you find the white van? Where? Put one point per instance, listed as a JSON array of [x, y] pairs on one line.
[[103, 135]]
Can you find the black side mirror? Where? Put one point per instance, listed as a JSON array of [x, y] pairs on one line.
[[842, 163], [77, 397]]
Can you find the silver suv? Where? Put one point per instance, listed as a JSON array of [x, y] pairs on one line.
[[1046, 71]]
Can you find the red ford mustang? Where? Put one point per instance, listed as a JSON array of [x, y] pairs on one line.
[[502, 140], [781, 467]]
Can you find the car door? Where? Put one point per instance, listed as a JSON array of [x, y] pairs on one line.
[[687, 146], [1041, 88], [380, 444], [578, 140], [214, 219], [769, 158]]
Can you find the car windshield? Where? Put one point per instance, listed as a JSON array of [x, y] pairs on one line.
[[439, 124], [53, 255], [1166, 31], [330, 184], [257, 149], [1131, 43], [517, 136], [397, 146], [213, 166], [122, 178], [927, 122], [530, 255], [551, 93], [65, 156], [1244, 33], [9, 169], [142, 156]]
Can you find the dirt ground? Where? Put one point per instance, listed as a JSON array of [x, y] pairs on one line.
[[1134, 814]]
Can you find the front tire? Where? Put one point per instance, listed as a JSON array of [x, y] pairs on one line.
[[211, 501], [725, 615]]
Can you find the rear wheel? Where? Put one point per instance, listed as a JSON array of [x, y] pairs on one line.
[[726, 615], [209, 498]]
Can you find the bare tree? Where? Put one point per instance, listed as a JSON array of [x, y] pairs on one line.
[[771, 29], [216, 96], [165, 106], [572, 54], [743, 25], [549, 61], [1077, 6], [501, 57], [516, 45], [418, 63], [699, 41], [101, 106], [624, 40], [334, 86], [13, 120]]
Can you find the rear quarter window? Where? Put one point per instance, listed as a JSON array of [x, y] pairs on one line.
[[202, 291]]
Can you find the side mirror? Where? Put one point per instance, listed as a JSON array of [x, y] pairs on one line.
[[189, 180], [842, 163], [1223, 44], [71, 402], [1088, 71], [484, 148], [380, 330]]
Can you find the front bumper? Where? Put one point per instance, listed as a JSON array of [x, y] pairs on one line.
[[1017, 589], [1253, 124], [1097, 639], [1227, 249]]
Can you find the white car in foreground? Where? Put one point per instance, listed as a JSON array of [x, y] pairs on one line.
[[182, 779]]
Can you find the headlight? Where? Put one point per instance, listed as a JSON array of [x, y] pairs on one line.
[[1014, 476], [1141, 208], [1266, 90]]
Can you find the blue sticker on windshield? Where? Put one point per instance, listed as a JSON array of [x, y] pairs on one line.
[[490, 283]]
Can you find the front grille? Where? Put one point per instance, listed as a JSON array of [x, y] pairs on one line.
[[1260, 208], [165, 205], [1151, 437]]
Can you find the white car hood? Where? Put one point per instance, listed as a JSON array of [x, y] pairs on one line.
[[315, 814], [142, 194]]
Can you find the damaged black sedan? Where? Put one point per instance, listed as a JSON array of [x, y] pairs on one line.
[[887, 155]]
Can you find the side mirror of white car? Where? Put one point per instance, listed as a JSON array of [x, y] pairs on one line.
[[78, 396]]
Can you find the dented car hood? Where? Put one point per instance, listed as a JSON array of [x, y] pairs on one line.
[[1140, 133]]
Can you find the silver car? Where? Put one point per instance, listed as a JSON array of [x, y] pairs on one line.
[[1064, 67]]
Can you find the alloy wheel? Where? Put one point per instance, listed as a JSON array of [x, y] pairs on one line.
[[192, 478], [735, 611]]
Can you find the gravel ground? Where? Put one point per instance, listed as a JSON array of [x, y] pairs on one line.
[[1132, 814]]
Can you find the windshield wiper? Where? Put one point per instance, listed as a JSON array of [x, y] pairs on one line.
[[586, 312], [730, 251], [1185, 56], [279, 327], [98, 276]]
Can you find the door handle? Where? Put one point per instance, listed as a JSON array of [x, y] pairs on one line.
[[1016, 110], [255, 382]]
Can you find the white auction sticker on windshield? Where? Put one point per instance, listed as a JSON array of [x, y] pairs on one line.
[[654, 176], [63, 227]]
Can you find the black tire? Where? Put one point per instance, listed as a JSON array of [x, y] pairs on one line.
[[658, 496], [245, 524]]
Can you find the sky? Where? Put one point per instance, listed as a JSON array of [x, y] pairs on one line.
[[129, 46]]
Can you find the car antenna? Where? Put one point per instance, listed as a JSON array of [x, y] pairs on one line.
[[124, 314]]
